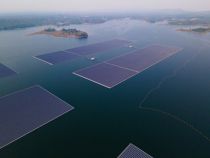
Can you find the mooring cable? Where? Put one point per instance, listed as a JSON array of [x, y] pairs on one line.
[[173, 74]]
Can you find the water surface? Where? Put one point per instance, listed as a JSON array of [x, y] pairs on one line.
[[172, 121]]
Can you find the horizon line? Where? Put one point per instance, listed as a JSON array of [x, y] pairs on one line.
[[105, 12]]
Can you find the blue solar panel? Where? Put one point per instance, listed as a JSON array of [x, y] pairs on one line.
[[25, 111], [142, 59], [117, 70], [131, 151], [99, 47], [105, 74], [5, 71], [56, 57]]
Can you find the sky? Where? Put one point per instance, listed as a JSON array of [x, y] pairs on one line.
[[100, 5]]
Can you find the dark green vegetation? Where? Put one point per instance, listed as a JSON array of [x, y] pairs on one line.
[[198, 30], [78, 33], [18, 22], [66, 33], [176, 17], [201, 30], [50, 30]]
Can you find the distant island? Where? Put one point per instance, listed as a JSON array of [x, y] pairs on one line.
[[66, 33], [170, 17], [198, 30], [22, 21]]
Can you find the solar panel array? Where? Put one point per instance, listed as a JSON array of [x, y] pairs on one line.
[[56, 57], [5, 71], [132, 151], [144, 58], [105, 74], [119, 69], [99, 47], [70, 54], [25, 111]]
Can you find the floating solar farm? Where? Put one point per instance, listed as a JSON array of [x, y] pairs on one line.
[[70, 54], [25, 111], [132, 151], [144, 58], [99, 47], [119, 69], [5, 71], [56, 57], [105, 74]]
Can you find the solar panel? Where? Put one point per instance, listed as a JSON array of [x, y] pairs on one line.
[[5, 71], [105, 74], [99, 47], [132, 151], [119, 69], [56, 57], [142, 59], [27, 110]]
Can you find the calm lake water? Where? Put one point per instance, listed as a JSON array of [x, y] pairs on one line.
[[173, 120]]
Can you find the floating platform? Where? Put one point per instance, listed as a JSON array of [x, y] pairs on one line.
[[99, 47], [56, 57], [5, 71], [105, 74], [119, 69], [27, 110], [143, 59], [132, 151], [70, 54]]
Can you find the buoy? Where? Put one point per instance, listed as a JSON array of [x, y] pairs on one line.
[[92, 58]]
